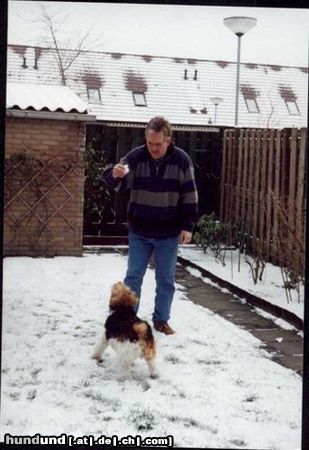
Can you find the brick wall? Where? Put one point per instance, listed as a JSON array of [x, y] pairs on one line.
[[44, 187]]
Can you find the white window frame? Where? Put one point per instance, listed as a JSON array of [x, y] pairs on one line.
[[139, 98], [97, 95], [250, 106], [290, 108]]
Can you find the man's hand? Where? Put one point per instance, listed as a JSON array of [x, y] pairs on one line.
[[185, 237], [119, 171]]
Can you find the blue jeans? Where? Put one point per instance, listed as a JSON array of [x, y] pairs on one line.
[[165, 257]]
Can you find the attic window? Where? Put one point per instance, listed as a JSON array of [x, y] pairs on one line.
[[252, 106], [139, 99], [186, 77], [289, 97], [94, 95], [292, 107]]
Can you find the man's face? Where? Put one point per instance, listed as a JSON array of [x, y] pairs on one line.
[[157, 143]]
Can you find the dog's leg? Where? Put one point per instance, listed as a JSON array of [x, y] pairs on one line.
[[152, 368], [99, 348], [125, 370]]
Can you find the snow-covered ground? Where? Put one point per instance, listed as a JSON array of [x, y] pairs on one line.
[[270, 288], [217, 386]]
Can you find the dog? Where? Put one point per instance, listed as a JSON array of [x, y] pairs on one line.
[[128, 335]]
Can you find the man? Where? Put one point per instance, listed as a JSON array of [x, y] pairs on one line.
[[162, 210]]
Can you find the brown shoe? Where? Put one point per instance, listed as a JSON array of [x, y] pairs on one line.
[[163, 327]]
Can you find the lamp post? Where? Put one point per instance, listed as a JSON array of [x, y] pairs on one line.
[[216, 101], [239, 26]]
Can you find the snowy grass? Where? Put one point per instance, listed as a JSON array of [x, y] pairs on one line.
[[217, 386]]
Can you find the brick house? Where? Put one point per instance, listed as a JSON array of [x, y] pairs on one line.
[[44, 170]]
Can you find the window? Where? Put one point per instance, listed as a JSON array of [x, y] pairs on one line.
[[186, 77], [94, 95], [139, 99], [292, 107], [252, 105]]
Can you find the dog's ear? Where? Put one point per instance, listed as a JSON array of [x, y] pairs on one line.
[[121, 295], [116, 289]]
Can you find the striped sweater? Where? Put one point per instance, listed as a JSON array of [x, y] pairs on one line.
[[163, 194]]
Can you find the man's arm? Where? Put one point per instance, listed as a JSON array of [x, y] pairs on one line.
[[115, 176], [188, 205]]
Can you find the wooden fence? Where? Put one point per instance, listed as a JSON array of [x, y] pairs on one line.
[[263, 189]]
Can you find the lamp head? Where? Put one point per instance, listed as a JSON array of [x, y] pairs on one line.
[[240, 25], [216, 100]]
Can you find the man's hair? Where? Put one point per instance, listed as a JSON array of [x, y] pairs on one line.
[[159, 123]]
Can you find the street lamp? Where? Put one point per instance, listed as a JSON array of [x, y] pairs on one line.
[[239, 26], [216, 101]]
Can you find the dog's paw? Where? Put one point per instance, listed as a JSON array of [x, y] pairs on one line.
[[154, 375], [124, 377], [97, 357]]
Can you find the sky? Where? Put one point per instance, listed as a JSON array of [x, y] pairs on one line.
[[217, 387], [280, 36]]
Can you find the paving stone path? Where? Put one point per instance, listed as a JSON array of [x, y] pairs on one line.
[[285, 346]]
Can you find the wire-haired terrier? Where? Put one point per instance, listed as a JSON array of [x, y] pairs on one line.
[[128, 335]]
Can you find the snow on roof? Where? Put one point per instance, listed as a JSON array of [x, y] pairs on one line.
[[180, 89], [40, 97]]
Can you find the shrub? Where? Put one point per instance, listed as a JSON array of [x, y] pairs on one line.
[[215, 235], [98, 205]]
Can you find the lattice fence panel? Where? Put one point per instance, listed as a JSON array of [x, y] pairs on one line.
[[38, 201]]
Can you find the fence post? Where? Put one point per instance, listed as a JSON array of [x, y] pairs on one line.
[[250, 205], [223, 177], [245, 181], [300, 188], [239, 173], [276, 192], [256, 201], [269, 209], [292, 190], [263, 188]]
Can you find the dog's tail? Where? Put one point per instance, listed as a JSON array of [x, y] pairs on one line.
[[146, 339], [122, 296]]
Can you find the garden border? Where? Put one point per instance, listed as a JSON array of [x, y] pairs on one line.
[[251, 299]]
